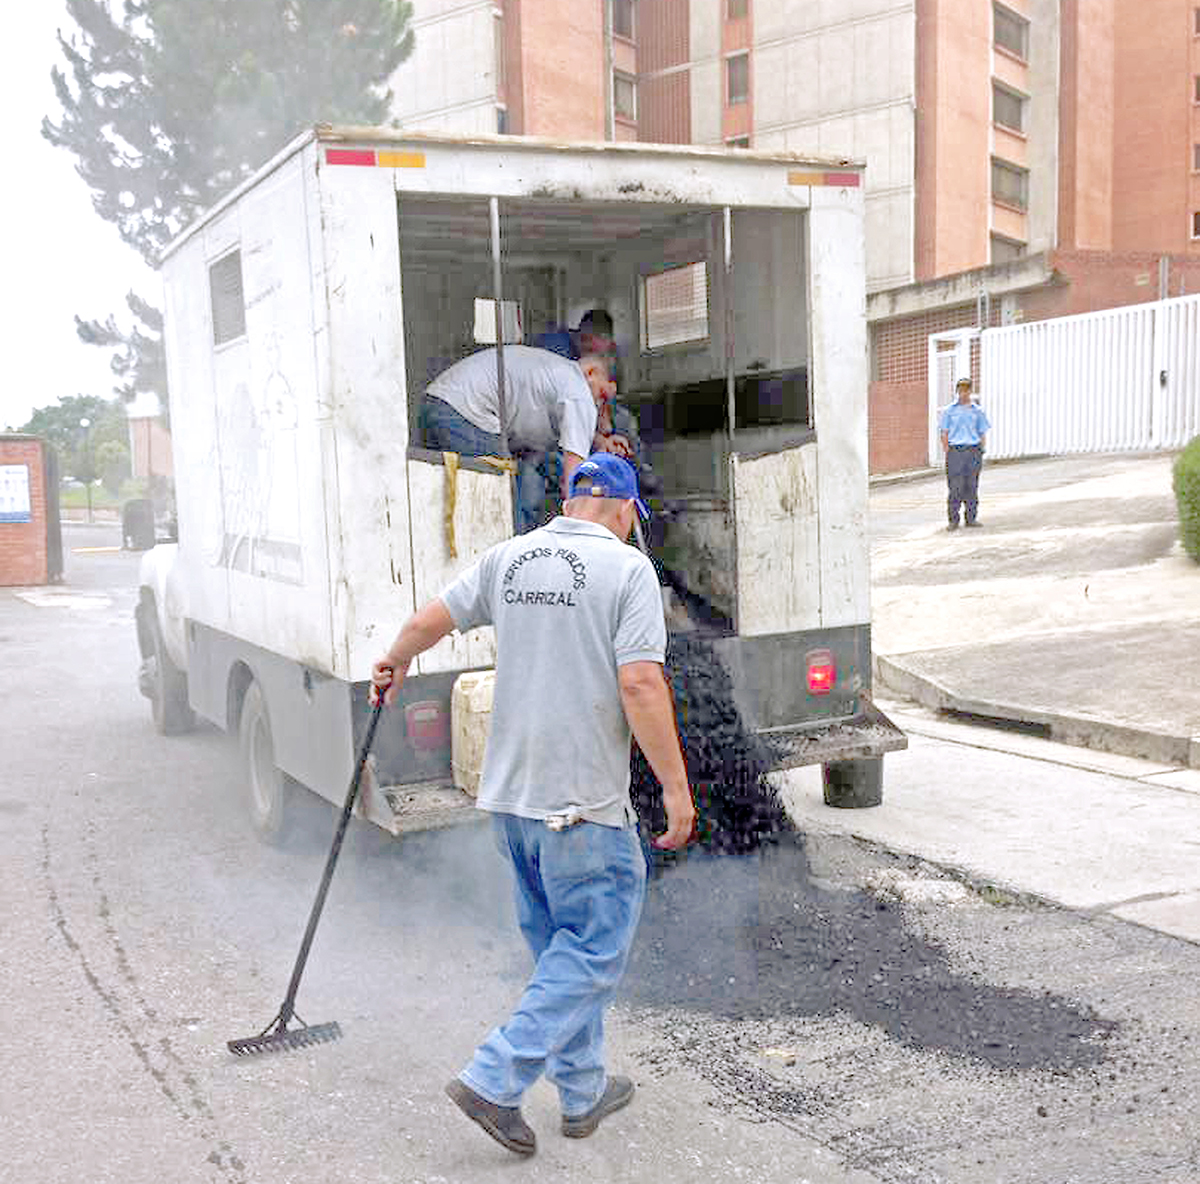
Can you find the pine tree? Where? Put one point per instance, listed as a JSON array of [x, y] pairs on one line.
[[138, 363], [169, 104]]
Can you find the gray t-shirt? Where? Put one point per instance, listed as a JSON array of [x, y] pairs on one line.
[[571, 604], [547, 401]]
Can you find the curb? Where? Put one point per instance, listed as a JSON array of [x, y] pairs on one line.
[[1080, 731]]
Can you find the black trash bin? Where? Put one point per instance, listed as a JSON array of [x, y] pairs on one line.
[[137, 524], [852, 785]]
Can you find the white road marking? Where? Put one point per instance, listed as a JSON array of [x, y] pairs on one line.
[[60, 598]]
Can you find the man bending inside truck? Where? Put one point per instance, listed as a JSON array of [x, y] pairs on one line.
[[580, 641], [550, 402]]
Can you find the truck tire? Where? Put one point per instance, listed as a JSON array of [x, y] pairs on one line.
[[268, 788], [168, 691], [852, 785]]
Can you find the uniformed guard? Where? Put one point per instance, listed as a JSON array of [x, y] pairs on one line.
[[964, 429]]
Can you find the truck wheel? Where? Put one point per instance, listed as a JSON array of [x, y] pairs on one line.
[[168, 691], [854, 784], [269, 788]]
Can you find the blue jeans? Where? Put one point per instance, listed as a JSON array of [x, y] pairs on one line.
[[445, 430], [579, 895], [538, 473]]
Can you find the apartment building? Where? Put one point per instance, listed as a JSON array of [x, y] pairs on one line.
[[1025, 158]]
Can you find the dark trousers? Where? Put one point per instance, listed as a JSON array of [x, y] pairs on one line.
[[963, 462]]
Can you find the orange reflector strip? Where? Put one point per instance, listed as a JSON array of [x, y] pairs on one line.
[[842, 180], [350, 156], [401, 160]]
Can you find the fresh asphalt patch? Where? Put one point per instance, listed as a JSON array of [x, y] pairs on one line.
[[992, 1039], [757, 937]]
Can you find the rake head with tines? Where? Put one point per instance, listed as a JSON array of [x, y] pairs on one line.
[[277, 1036]]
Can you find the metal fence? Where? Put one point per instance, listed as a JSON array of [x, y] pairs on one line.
[[1125, 379]]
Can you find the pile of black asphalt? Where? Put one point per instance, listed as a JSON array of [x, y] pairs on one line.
[[737, 808]]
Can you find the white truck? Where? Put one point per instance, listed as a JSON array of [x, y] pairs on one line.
[[304, 316]]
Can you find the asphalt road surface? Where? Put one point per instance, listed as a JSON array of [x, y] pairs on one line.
[[786, 1017]]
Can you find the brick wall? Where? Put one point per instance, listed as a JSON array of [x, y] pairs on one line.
[[1093, 280], [898, 414], [23, 555], [900, 348], [664, 100], [151, 448]]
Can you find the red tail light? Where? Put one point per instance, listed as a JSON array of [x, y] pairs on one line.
[[822, 672]]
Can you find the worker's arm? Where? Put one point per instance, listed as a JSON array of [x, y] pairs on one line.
[[423, 630], [945, 440], [651, 714], [570, 462]]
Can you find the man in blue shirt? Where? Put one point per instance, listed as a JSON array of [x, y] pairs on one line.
[[964, 428], [594, 336]]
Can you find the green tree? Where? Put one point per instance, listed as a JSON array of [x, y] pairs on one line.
[[112, 464], [169, 104], [76, 445]]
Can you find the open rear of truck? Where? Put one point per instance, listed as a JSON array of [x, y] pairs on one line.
[[305, 318]]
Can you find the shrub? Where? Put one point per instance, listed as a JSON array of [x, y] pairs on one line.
[[1186, 483]]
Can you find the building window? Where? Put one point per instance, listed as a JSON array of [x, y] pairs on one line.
[[1005, 250], [1196, 158], [228, 301], [622, 19], [1011, 31], [1196, 88], [624, 96], [737, 79], [1196, 224], [1008, 108], [736, 9], [675, 306], [502, 121], [1196, 21], [738, 142], [1010, 184]]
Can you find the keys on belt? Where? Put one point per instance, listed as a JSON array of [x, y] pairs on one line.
[[561, 821]]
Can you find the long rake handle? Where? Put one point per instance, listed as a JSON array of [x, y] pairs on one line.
[[289, 1003]]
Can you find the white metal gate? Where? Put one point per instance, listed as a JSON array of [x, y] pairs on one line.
[[1122, 379]]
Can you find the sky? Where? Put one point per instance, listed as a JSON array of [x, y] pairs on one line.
[[63, 258]]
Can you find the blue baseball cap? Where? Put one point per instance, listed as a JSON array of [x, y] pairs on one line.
[[604, 474]]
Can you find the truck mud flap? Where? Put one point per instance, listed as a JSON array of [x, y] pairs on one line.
[[868, 734]]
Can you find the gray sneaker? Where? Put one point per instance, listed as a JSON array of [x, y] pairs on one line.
[[617, 1093]]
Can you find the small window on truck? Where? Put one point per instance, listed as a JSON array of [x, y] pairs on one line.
[[228, 301], [675, 306]]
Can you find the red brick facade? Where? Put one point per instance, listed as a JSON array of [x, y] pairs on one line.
[[24, 555]]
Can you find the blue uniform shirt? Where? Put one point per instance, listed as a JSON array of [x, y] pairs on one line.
[[964, 423], [559, 341]]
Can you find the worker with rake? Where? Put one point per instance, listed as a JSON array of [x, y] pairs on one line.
[[580, 643]]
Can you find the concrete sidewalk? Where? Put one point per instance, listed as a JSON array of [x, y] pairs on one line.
[[1073, 608], [1074, 616]]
